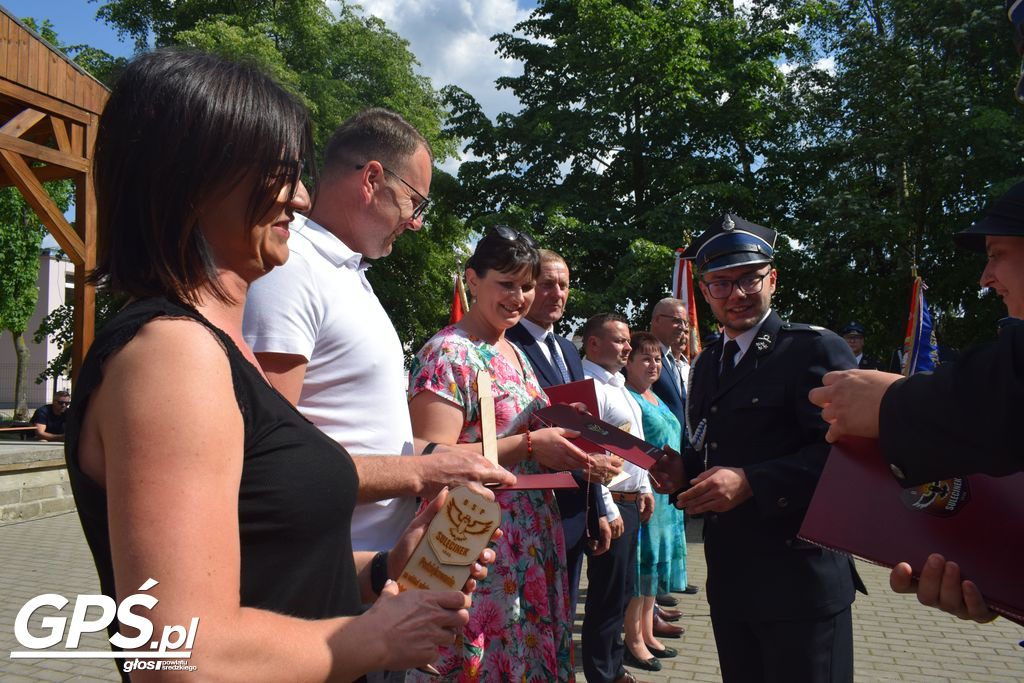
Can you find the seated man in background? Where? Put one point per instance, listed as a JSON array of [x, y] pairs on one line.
[[49, 419]]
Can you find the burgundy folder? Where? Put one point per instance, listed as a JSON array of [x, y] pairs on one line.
[[977, 521], [582, 391], [598, 435]]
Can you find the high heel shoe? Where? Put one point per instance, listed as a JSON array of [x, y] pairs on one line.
[[630, 659]]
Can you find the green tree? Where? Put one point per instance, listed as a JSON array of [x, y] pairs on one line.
[[21, 235], [641, 119], [339, 63], [888, 155]]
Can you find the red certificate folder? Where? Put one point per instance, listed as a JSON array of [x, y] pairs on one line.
[[582, 391], [598, 435], [977, 521]]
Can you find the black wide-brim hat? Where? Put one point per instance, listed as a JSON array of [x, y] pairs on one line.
[[1005, 217], [731, 241]]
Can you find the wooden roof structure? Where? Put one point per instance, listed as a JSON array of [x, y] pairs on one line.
[[49, 113]]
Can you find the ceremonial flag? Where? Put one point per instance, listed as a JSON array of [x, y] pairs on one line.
[[920, 350], [459, 303], [683, 289]]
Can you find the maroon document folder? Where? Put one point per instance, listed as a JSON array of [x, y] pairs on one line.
[[977, 521], [582, 391], [598, 435], [550, 480]]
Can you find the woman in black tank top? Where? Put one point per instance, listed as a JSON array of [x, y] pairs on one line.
[[196, 482]]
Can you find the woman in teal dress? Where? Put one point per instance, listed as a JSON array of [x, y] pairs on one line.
[[661, 552]]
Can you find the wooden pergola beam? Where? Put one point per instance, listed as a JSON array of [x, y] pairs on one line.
[[21, 122], [37, 152], [36, 197], [44, 174]]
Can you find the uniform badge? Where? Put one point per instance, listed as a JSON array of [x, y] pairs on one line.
[[763, 342], [728, 224]]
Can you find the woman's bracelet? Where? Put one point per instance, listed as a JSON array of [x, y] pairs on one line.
[[529, 445]]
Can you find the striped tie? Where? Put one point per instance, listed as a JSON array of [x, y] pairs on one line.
[[556, 357]]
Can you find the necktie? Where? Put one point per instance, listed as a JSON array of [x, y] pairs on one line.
[[556, 357], [729, 357], [674, 367]]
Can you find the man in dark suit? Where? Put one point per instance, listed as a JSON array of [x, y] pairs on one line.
[[556, 361], [669, 325], [780, 607]]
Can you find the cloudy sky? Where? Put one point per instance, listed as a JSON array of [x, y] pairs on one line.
[[452, 40]]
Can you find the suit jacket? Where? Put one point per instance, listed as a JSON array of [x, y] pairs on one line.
[[760, 420], [961, 419], [572, 503], [666, 390]]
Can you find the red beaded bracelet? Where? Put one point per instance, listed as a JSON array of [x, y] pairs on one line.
[[529, 445]]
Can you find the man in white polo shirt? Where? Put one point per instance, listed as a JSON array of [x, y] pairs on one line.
[[326, 343], [610, 576]]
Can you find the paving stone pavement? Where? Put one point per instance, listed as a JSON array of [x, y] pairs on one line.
[[896, 639]]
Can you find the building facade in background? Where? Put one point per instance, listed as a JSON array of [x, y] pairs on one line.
[[56, 284]]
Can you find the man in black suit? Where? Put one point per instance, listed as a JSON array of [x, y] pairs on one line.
[[556, 361], [780, 607]]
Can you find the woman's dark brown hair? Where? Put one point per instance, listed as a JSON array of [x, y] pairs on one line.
[[179, 128]]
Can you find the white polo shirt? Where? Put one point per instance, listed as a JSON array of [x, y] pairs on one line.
[[319, 305]]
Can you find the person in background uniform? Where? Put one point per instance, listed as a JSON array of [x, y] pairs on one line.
[[49, 419], [780, 607], [962, 418], [556, 361], [853, 334]]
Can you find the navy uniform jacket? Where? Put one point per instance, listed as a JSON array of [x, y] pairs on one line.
[[761, 420], [964, 418], [572, 503]]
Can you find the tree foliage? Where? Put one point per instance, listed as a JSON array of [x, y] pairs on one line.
[[865, 131], [914, 132], [640, 120], [339, 63]]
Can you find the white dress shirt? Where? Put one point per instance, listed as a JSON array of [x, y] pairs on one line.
[[618, 407]]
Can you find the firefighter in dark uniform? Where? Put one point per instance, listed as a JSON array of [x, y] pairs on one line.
[[961, 419], [780, 607], [853, 334]]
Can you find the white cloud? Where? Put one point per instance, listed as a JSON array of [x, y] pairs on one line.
[[451, 40]]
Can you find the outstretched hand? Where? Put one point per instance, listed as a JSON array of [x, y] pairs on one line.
[[850, 400]]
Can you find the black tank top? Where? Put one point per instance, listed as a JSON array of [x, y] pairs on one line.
[[296, 494]]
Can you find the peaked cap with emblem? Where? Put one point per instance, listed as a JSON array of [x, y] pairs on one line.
[[1005, 217], [731, 241]]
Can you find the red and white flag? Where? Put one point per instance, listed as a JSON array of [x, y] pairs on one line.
[[459, 303], [683, 289]]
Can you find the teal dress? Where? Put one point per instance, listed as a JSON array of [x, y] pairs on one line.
[[661, 552]]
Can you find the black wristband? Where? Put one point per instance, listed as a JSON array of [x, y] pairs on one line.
[[379, 572], [429, 448]]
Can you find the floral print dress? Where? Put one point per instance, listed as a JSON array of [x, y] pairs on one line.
[[519, 627]]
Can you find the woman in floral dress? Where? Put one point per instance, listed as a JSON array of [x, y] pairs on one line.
[[520, 626]]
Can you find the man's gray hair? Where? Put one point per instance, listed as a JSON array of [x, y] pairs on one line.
[[665, 303], [373, 135]]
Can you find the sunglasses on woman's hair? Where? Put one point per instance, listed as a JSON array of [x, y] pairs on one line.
[[507, 233]]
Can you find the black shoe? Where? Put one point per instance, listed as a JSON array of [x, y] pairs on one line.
[[690, 590], [629, 659], [666, 653], [667, 600]]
